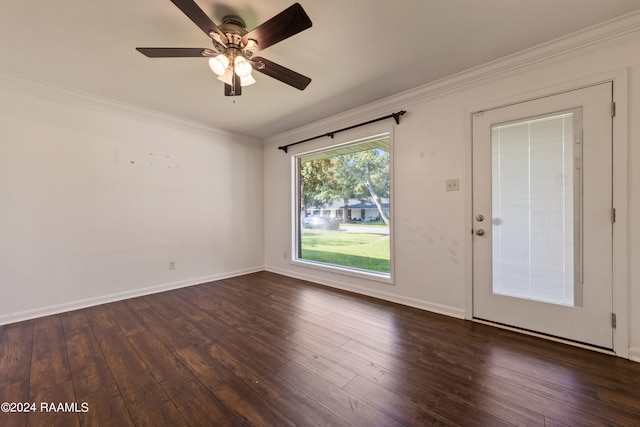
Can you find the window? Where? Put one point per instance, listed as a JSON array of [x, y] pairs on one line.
[[343, 210]]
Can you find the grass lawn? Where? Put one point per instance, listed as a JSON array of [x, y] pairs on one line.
[[359, 250], [367, 224]]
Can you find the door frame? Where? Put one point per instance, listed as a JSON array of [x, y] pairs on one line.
[[620, 261]]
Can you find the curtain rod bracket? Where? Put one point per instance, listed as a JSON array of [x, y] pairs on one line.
[[396, 117]]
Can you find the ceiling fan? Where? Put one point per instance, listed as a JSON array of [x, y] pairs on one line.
[[233, 46]]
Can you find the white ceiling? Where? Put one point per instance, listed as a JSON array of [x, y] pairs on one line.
[[356, 52]]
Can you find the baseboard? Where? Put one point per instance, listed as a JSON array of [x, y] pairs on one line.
[[634, 354], [104, 299], [386, 296]]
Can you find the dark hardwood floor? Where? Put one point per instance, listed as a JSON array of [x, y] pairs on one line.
[[268, 350]]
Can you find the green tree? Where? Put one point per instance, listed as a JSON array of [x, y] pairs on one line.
[[370, 170], [347, 187], [316, 183], [362, 175]]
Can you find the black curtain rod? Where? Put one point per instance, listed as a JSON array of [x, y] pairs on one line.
[[396, 117]]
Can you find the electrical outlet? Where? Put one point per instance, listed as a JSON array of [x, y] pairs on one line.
[[452, 184], [285, 255], [172, 265]]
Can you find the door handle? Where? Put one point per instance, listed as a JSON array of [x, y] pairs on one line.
[[480, 232]]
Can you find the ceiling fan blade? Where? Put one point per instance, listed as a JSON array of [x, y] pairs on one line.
[[287, 23], [171, 52], [281, 73], [193, 12]]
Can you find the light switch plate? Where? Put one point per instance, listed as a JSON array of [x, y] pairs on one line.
[[452, 184]]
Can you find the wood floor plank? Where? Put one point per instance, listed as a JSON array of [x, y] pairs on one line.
[[239, 312], [106, 408], [177, 381], [626, 397], [89, 370], [517, 357], [310, 324], [48, 410], [393, 404], [420, 380], [207, 410], [394, 374], [550, 422], [243, 402], [299, 408], [560, 412], [173, 307], [170, 335], [75, 322], [253, 348], [354, 411], [17, 392], [365, 336], [467, 414], [100, 317], [49, 363], [125, 317], [129, 371], [331, 371], [576, 395], [150, 406], [16, 346]]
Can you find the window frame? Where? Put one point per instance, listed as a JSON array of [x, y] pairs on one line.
[[387, 278]]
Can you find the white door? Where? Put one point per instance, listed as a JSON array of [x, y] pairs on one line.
[[542, 206]]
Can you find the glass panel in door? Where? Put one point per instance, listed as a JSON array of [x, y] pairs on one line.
[[535, 204]]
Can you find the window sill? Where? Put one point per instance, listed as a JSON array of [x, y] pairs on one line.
[[331, 268]]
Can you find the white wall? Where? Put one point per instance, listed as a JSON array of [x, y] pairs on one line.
[[97, 199], [432, 144]]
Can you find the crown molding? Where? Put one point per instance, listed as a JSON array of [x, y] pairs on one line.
[[625, 27], [65, 95]]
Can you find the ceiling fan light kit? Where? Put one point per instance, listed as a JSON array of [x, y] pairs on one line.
[[232, 57], [241, 66], [227, 78], [219, 64]]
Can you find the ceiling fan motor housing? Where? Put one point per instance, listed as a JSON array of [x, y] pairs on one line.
[[233, 23], [235, 28]]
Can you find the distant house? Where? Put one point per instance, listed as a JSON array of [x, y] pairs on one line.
[[357, 210]]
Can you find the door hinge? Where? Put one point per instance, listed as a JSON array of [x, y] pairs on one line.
[[613, 109], [613, 215], [613, 320]]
